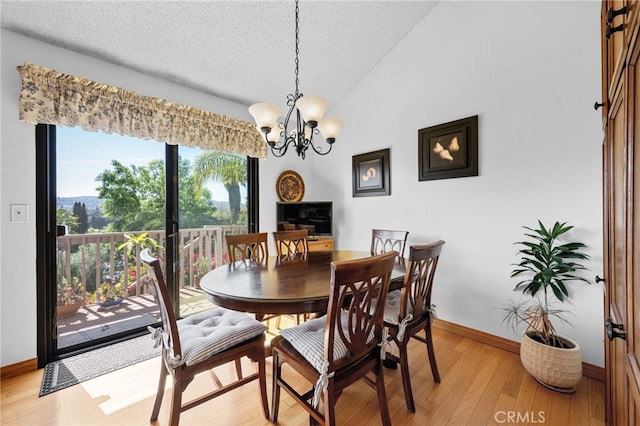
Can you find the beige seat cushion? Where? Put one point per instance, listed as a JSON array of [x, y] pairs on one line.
[[207, 333], [308, 339], [392, 308]]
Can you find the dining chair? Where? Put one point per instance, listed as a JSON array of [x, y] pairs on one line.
[[248, 247], [291, 244], [341, 347], [409, 311], [199, 343], [384, 240], [251, 247]]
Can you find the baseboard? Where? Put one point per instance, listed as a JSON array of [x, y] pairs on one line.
[[588, 370], [19, 368]]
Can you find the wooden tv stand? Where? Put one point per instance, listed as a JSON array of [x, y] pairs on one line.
[[320, 243]]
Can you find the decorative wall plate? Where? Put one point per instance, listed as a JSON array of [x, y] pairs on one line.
[[290, 186]]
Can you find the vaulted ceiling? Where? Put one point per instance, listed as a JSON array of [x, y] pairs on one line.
[[239, 50]]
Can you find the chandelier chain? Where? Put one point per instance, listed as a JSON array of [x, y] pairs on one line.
[[275, 128], [297, 46]]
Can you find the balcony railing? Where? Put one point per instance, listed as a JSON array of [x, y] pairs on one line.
[[93, 259]]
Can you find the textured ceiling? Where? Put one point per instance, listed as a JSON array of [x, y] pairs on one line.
[[239, 50]]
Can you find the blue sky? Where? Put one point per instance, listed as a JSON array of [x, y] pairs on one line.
[[84, 155]]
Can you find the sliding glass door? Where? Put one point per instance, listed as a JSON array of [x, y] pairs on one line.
[[212, 203], [103, 198]]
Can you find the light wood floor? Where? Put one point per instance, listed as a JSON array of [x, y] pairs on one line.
[[480, 385]]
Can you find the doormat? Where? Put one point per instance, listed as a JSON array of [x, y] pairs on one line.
[[78, 368]]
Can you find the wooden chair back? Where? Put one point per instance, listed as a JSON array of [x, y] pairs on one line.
[[358, 288], [170, 337], [350, 347], [414, 313], [418, 280], [384, 240], [291, 244], [248, 247]]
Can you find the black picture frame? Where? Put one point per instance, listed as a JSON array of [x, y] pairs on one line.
[[448, 150], [371, 174]]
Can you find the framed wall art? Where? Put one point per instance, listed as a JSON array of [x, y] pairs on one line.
[[290, 186], [371, 174], [448, 150]]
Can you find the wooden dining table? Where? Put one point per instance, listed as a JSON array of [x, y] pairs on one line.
[[294, 286]]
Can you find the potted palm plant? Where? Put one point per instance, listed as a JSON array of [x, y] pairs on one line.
[[546, 265], [132, 247]]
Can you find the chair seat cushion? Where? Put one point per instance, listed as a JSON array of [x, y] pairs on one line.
[[308, 339], [392, 308], [207, 333]]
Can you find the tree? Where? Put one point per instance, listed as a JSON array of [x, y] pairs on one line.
[[82, 220], [135, 197], [119, 189], [97, 221], [229, 169], [196, 206], [65, 217]]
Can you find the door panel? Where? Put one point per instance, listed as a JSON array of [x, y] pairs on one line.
[[616, 222], [621, 175], [617, 28], [206, 213], [632, 322], [98, 177]]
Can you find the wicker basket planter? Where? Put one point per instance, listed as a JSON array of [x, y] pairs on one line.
[[559, 369]]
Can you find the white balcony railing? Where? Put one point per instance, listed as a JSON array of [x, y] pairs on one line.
[[97, 258]]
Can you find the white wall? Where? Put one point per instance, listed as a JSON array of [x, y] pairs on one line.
[[531, 72]]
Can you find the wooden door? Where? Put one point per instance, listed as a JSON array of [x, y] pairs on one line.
[[621, 174]]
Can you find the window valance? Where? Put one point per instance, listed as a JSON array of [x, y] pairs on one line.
[[50, 97]]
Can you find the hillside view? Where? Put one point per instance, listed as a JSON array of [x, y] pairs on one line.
[[92, 203]]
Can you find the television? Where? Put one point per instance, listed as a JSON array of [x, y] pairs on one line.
[[316, 216]]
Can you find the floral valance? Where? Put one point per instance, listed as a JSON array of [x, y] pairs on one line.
[[50, 97]]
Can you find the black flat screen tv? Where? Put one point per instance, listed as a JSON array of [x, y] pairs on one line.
[[316, 216]]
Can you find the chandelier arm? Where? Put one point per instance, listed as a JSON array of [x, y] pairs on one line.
[[300, 127], [319, 150], [292, 100], [280, 150]]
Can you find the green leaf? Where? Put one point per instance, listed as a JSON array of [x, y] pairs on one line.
[[547, 264]]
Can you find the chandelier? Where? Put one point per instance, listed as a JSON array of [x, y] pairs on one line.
[[309, 113]]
